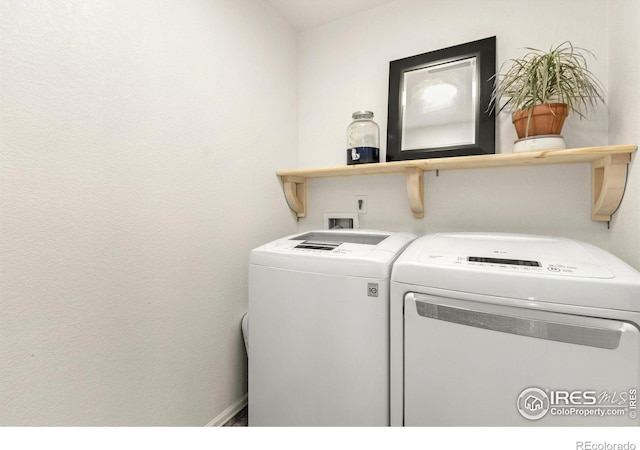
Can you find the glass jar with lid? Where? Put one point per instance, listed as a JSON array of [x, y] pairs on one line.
[[363, 139]]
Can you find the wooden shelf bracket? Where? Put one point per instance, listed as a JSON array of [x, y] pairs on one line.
[[415, 191], [608, 168], [295, 191], [608, 180]]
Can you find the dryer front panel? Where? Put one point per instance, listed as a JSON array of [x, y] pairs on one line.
[[471, 364]]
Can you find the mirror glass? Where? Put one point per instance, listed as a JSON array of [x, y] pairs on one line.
[[439, 105]]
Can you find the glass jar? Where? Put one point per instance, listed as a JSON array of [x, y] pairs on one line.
[[363, 139]]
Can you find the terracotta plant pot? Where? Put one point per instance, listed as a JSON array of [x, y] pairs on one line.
[[545, 119]]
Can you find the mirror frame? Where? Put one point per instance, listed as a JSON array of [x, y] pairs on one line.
[[485, 52]]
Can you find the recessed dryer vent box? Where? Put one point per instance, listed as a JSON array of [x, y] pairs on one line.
[[341, 220]]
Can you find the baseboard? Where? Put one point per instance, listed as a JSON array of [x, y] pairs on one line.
[[228, 413]]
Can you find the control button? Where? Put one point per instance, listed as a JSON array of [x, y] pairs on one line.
[[553, 269]]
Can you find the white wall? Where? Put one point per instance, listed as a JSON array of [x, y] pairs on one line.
[[624, 120], [138, 149], [344, 67], [138, 146]]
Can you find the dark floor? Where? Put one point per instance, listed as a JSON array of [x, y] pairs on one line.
[[239, 420]]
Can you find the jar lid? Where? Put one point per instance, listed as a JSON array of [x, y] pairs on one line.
[[362, 115]]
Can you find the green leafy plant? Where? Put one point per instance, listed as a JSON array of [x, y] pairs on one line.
[[557, 76]]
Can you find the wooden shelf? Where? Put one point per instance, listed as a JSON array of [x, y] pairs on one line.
[[608, 168]]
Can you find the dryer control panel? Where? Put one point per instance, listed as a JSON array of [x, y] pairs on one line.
[[522, 255], [522, 265]]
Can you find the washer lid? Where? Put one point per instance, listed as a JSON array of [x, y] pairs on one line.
[[362, 253], [327, 241]]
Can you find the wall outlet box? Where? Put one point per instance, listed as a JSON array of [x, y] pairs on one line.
[[361, 204], [341, 220]]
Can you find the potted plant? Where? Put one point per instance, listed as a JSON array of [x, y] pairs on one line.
[[541, 88]]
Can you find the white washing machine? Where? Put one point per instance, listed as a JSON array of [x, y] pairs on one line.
[[499, 329], [319, 328]]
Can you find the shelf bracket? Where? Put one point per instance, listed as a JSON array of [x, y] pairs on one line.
[[415, 191], [608, 180], [295, 191]]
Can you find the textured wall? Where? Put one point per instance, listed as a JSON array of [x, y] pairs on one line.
[[352, 65], [624, 117], [544, 200], [138, 147]]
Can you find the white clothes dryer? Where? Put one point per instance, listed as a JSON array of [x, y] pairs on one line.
[[319, 328], [505, 329]]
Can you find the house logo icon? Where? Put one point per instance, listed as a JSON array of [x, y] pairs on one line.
[[533, 403]]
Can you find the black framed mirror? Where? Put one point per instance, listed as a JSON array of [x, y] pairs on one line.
[[438, 103]]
